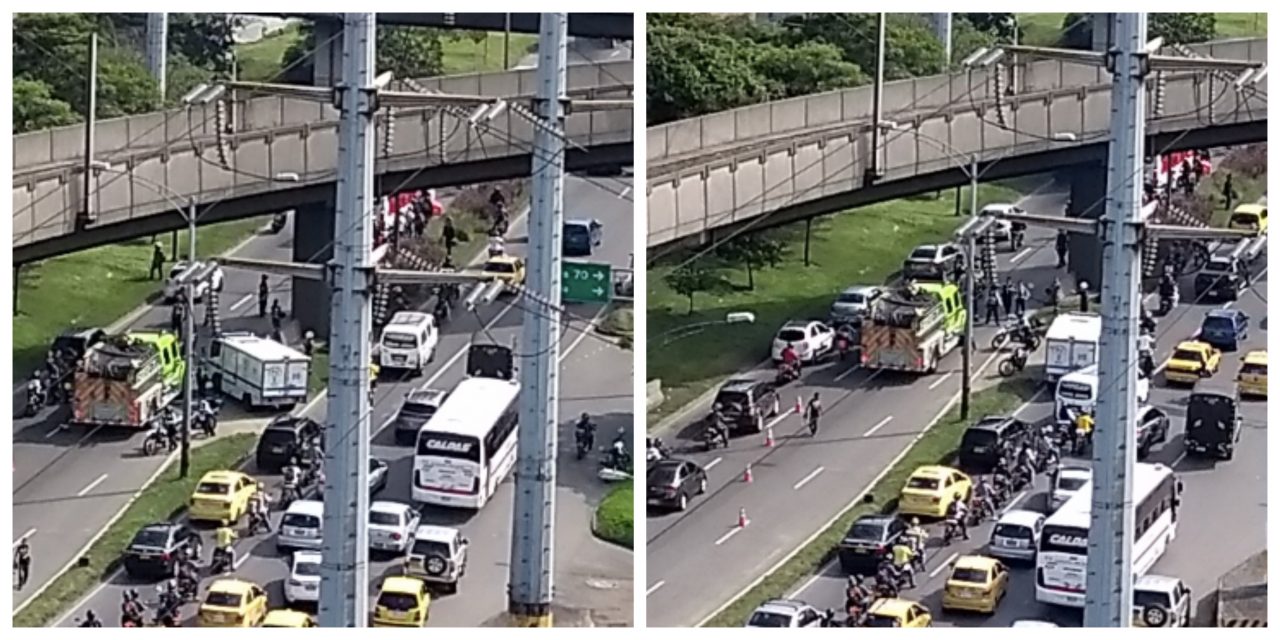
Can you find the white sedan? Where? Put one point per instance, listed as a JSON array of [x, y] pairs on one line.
[[303, 584], [391, 526], [810, 338]]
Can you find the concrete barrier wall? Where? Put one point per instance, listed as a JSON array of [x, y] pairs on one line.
[[734, 188], [176, 127], [694, 136]]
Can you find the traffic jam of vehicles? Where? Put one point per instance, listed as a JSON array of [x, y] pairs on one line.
[[971, 531], [461, 444]]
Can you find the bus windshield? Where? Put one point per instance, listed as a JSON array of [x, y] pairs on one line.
[[448, 445]]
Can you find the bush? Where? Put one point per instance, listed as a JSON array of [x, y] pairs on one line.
[[619, 322], [615, 517]]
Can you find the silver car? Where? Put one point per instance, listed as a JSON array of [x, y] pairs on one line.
[[391, 526], [1016, 535], [853, 303]]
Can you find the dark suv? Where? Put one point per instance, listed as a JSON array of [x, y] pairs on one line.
[[747, 403], [869, 540], [154, 549], [283, 437], [983, 441]]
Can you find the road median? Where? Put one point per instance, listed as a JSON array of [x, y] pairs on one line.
[[614, 520], [163, 499]]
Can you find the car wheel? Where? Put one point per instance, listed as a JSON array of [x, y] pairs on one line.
[[702, 485], [684, 502]]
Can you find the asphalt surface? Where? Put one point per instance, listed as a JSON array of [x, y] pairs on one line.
[[596, 378], [700, 559], [1217, 499]]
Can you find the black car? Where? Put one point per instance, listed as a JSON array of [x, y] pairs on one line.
[[1153, 429], [870, 539], [983, 441], [747, 403], [672, 482], [154, 549], [419, 405], [1222, 278], [283, 437], [581, 237], [1213, 421]]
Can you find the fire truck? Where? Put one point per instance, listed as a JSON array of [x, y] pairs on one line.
[[125, 380], [912, 327]]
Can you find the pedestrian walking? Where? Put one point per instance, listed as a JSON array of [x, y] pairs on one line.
[[1054, 292], [22, 562], [178, 312], [450, 236], [264, 292], [1060, 245], [1228, 192], [157, 262], [277, 316]]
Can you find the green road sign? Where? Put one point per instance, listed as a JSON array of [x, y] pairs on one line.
[[586, 281]]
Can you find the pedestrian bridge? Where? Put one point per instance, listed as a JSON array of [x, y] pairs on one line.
[[164, 159], [779, 162]]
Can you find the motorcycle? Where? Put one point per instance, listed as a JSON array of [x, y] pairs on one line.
[[1168, 302], [278, 221], [713, 437], [787, 373], [1015, 332], [614, 468], [36, 399], [1014, 362], [157, 441], [585, 442], [205, 420], [221, 562]]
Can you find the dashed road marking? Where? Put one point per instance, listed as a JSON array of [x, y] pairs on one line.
[[939, 381], [729, 534], [846, 373], [882, 423], [944, 565], [713, 463], [241, 302], [1021, 254], [623, 194], [805, 480], [1013, 503], [657, 585], [92, 485]]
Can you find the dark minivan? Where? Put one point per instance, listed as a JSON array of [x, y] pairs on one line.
[[983, 441], [283, 437], [869, 541]]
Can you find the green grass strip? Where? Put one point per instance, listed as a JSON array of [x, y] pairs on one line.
[[936, 446], [165, 499], [615, 517]]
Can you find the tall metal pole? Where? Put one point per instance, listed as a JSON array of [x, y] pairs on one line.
[[188, 346], [532, 540], [966, 351], [1109, 581], [344, 569], [942, 30], [90, 127], [877, 105], [506, 41], [157, 45]]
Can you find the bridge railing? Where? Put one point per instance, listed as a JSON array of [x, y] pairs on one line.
[[668, 144], [116, 137]]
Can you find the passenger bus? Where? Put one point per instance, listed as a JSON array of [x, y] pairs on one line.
[[1064, 541], [468, 446]]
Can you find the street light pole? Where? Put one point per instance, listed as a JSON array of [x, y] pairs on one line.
[[189, 342], [877, 106], [966, 351], [90, 129]]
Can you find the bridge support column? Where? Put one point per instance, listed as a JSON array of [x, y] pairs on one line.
[[1088, 193], [313, 227], [1102, 37], [327, 70]]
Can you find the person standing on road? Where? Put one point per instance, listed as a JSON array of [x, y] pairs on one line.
[[1006, 295], [993, 306], [1054, 292], [264, 292], [277, 315], [157, 263], [1020, 301], [812, 412], [1060, 245], [22, 562], [1084, 296], [1228, 192]]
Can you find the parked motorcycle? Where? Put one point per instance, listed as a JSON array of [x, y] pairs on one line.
[[157, 440], [1014, 362]]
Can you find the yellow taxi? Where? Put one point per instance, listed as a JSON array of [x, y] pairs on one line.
[[288, 619], [508, 269], [1191, 361], [403, 602], [977, 583], [896, 612], [233, 603], [931, 489], [222, 496], [1252, 378], [1249, 217]]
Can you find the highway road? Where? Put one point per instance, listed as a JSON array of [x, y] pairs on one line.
[[699, 559], [1222, 521], [597, 379]]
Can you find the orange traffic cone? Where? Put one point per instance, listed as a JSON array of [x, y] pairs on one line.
[[746, 475], [799, 406], [742, 518], [768, 437]]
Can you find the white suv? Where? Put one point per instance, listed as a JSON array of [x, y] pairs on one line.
[[300, 528], [303, 584], [439, 555], [787, 614]]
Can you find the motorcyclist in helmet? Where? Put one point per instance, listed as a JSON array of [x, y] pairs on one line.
[[1146, 354], [91, 619], [618, 451], [225, 538], [791, 359], [917, 535]]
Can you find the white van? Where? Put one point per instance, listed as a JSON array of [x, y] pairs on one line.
[[1078, 391], [259, 372], [1071, 343], [408, 341]]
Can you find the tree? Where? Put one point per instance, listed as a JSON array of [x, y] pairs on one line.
[[691, 279], [204, 39], [911, 50], [692, 73], [1077, 31], [1183, 28], [34, 108], [410, 52], [297, 62], [1001, 25], [753, 251], [808, 68]]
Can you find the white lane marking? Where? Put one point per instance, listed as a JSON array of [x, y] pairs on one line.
[[872, 430], [1178, 459], [939, 381], [944, 565], [657, 585], [582, 334], [92, 485], [241, 559], [30, 532], [778, 418], [623, 194], [1013, 503], [241, 302], [846, 373], [805, 480], [713, 463], [731, 533], [1021, 254], [1227, 305]]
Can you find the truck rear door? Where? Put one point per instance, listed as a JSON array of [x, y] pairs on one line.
[[297, 376]]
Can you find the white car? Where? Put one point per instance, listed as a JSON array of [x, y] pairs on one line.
[[1038, 624], [931, 262], [1066, 482], [1016, 535], [1003, 228], [172, 288], [391, 526], [301, 525], [811, 339], [785, 614], [303, 584]]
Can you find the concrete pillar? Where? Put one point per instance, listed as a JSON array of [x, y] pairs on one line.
[[313, 227], [1088, 188], [327, 70], [1102, 37]]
